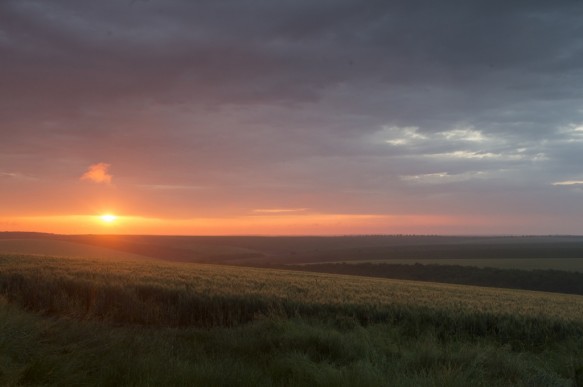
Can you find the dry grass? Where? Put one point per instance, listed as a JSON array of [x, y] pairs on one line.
[[173, 294], [303, 287]]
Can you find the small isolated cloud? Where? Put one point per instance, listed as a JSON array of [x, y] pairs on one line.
[[15, 176], [445, 177], [173, 187], [396, 136], [464, 134], [466, 154], [279, 210], [97, 173], [569, 182]]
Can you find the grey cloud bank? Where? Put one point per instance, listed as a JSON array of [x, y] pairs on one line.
[[366, 107]]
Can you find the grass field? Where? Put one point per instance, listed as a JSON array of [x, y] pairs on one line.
[[59, 248], [300, 250], [135, 322], [563, 264], [40, 279]]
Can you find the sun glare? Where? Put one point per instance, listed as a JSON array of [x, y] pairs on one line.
[[108, 218]]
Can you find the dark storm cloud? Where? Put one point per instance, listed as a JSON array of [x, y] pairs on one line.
[[254, 51], [445, 101]]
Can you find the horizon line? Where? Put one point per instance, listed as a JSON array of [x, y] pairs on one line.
[[307, 235]]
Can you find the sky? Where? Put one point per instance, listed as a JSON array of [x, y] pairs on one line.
[[291, 117]]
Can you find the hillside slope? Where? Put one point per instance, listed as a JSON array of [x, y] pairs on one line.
[[135, 322]]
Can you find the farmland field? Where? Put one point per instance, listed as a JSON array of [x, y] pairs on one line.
[[551, 263], [145, 322], [564, 264], [519, 251], [165, 320], [60, 248], [40, 279]]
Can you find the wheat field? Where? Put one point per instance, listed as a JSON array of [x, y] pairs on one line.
[[167, 323]]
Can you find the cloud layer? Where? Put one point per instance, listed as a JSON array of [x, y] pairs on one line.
[[211, 109]]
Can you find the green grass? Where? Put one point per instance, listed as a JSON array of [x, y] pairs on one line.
[[268, 352], [73, 321]]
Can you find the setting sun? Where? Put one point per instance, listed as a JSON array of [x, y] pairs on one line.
[[108, 218]]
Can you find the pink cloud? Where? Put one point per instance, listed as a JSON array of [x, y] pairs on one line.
[[98, 173]]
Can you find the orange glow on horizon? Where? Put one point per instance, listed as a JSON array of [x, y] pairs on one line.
[[279, 224]]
